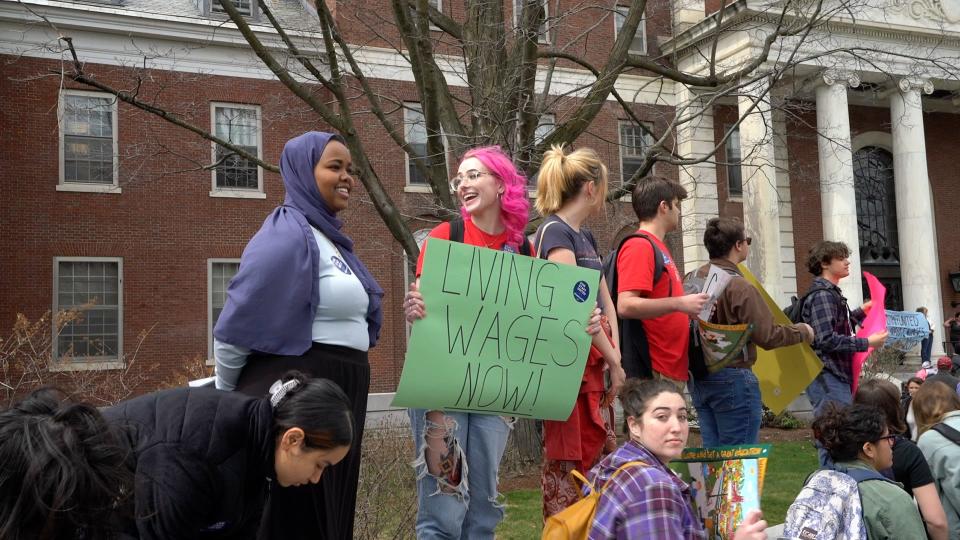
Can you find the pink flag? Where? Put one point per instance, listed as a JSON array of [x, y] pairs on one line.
[[876, 321]]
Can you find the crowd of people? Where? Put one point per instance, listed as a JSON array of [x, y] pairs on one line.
[[274, 451]]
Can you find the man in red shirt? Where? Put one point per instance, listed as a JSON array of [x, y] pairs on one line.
[[662, 306]]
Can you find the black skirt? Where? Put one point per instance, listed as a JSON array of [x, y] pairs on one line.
[[325, 510]]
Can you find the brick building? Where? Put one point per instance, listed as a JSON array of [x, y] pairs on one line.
[[106, 203]]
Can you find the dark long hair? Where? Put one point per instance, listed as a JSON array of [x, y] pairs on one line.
[[884, 396], [843, 430], [62, 470], [318, 407]]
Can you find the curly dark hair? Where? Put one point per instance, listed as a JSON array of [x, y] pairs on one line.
[[823, 252], [64, 471], [843, 430]]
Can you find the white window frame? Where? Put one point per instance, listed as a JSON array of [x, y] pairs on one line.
[[215, 191], [210, 325], [532, 181], [620, 147], [62, 184], [642, 27], [86, 363], [409, 187], [254, 9], [542, 37]]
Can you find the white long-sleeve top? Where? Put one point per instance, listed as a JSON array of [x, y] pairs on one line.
[[340, 319]]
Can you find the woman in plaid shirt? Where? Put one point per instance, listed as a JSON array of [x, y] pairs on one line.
[[650, 501]]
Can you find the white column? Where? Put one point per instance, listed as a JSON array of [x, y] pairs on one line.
[[919, 265], [761, 201], [788, 258], [838, 197], [695, 139]]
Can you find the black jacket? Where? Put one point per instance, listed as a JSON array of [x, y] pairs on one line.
[[203, 460]]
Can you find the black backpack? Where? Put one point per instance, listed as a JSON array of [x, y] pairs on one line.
[[794, 311], [634, 349], [457, 230]]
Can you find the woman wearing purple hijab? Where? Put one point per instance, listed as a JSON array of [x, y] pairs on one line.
[[302, 300]]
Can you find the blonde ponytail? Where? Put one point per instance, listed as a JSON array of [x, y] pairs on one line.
[[562, 176]]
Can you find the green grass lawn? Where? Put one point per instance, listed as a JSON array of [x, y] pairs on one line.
[[789, 465]]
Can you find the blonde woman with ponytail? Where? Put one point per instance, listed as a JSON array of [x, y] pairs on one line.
[[570, 188]]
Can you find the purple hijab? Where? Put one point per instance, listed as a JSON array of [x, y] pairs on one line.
[[272, 301]]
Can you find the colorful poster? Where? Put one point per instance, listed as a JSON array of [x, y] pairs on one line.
[[725, 483], [907, 329], [722, 343], [785, 372], [504, 334], [874, 322]]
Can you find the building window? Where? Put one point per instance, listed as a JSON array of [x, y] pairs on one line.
[[240, 125], [88, 140], [91, 291], [245, 7], [543, 32], [639, 43], [545, 126], [415, 133], [734, 173], [219, 274], [633, 141]]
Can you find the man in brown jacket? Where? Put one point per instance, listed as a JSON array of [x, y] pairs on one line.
[[728, 401]]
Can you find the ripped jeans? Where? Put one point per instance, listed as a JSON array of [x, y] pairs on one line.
[[460, 502]]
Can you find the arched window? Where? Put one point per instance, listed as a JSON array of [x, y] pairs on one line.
[[876, 206], [877, 221]]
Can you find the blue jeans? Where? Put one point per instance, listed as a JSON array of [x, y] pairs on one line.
[[827, 388], [728, 407], [925, 346], [468, 509]]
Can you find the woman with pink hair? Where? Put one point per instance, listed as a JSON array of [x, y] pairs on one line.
[[458, 453]]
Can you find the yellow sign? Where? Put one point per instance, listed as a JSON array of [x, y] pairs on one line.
[[785, 372]]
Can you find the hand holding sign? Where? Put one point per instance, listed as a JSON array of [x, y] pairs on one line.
[[505, 335]]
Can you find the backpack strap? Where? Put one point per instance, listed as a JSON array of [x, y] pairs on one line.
[[950, 433], [658, 267], [525, 248], [456, 229], [862, 475], [543, 231], [576, 474], [620, 469], [815, 289]]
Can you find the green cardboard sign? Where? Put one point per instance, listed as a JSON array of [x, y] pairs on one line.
[[504, 334]]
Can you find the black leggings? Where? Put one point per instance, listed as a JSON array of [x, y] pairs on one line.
[[325, 510]]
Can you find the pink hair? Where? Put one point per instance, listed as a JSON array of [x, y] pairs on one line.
[[514, 206]]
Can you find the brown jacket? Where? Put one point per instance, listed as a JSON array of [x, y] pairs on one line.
[[741, 303]]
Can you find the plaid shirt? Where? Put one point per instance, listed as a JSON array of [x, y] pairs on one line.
[[827, 313], [642, 502]]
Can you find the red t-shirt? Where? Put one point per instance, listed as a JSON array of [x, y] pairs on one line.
[[472, 235], [667, 334]]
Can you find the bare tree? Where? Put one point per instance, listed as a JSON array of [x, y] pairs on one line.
[[504, 74]]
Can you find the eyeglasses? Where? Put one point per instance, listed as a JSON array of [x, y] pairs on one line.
[[889, 438], [748, 240], [470, 176]]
